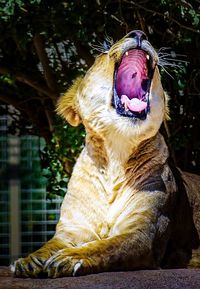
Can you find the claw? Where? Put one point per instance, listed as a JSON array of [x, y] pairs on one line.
[[78, 269], [39, 262], [30, 267]]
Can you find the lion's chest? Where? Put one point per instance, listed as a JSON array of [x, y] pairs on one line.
[[102, 203], [102, 207]]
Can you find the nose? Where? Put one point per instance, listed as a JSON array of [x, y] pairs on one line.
[[138, 35]]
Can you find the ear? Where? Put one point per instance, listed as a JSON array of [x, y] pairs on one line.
[[67, 105]]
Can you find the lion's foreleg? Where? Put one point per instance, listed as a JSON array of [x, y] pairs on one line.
[[120, 252], [33, 265]]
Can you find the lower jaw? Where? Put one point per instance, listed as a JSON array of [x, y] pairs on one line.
[[120, 109], [116, 103], [134, 116]]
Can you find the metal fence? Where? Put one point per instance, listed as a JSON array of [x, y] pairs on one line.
[[27, 218]]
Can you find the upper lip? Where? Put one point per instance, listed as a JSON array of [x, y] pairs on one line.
[[148, 52]]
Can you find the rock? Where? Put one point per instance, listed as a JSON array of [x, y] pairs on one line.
[[144, 279]]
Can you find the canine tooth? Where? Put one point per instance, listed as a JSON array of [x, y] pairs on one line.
[[125, 101], [126, 53], [147, 56]]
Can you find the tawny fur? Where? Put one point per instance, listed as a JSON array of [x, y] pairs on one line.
[[126, 206]]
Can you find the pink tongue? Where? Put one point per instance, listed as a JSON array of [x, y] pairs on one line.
[[133, 104]]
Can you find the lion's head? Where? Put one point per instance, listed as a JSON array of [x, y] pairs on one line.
[[121, 93]]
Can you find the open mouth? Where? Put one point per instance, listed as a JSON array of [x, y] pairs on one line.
[[132, 82]]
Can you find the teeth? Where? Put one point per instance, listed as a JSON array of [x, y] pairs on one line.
[[147, 56], [126, 53]]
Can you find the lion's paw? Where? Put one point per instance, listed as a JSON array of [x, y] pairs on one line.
[[64, 263], [30, 266]]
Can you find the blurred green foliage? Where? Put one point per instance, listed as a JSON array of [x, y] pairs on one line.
[[46, 44], [59, 156], [8, 7]]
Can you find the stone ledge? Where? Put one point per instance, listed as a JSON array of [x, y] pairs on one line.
[[145, 279]]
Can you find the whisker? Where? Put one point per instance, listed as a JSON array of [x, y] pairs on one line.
[[165, 62], [171, 65], [105, 46], [166, 71], [109, 40], [172, 59], [167, 58], [173, 54], [164, 48], [164, 54], [99, 48]]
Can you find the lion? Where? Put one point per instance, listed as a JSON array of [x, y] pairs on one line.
[[127, 206]]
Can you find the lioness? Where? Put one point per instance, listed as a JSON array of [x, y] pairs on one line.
[[126, 207]]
